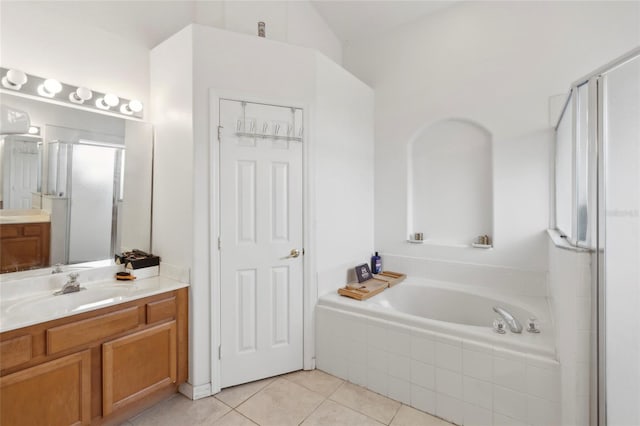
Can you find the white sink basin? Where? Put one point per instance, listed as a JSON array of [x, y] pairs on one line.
[[91, 298]]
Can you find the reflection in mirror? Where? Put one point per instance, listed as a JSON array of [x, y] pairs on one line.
[[77, 189]]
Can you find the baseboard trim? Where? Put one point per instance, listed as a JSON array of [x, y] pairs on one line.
[[195, 392]]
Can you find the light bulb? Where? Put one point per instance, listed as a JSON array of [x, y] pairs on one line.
[[109, 100], [134, 106], [80, 95], [50, 88], [14, 79]]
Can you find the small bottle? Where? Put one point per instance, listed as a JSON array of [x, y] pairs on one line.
[[376, 263]]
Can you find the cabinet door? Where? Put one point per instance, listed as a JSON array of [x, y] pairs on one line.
[[54, 393], [137, 365]]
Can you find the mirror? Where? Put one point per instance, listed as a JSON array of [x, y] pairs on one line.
[[76, 188]]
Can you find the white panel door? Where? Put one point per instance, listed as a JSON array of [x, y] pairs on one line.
[[260, 223], [24, 166]]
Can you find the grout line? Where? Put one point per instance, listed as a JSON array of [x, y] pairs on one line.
[[396, 413], [238, 412], [314, 410], [253, 394], [360, 412]]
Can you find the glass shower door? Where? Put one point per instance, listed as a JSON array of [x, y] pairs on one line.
[[619, 246], [92, 202]]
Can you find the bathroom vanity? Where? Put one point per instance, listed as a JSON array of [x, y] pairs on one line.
[[99, 366], [25, 236]]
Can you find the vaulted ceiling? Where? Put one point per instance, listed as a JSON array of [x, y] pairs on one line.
[[150, 22]]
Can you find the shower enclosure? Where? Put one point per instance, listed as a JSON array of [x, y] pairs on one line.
[[89, 176], [618, 258], [598, 209]]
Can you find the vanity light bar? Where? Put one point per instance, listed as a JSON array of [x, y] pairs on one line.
[[13, 80]]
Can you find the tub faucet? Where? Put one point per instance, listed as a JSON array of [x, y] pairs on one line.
[[512, 322], [70, 286]]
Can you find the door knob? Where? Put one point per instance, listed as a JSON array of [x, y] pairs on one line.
[[294, 253]]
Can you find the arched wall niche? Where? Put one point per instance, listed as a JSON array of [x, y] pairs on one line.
[[450, 183]]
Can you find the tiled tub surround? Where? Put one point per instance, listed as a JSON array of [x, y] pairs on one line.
[[462, 373]]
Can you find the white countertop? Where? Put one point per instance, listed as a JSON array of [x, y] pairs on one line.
[[22, 309], [23, 216]]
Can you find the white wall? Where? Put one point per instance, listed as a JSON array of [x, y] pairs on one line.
[[293, 22], [230, 63], [570, 293], [172, 114], [72, 52], [343, 160], [495, 63], [236, 65], [50, 39]]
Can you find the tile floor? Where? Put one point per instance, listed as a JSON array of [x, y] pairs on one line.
[[310, 398]]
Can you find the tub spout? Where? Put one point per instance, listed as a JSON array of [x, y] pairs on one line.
[[512, 322]]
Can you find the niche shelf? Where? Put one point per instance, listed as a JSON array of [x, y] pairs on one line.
[[450, 183]]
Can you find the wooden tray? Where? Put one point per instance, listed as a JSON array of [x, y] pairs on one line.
[[392, 278], [365, 290]]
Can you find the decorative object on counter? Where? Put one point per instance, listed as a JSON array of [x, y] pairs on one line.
[[483, 241], [262, 32], [124, 276], [376, 263], [363, 273], [137, 259], [416, 238]]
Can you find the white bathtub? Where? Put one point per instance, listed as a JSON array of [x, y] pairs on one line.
[[430, 345]]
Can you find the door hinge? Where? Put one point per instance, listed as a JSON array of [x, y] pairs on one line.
[[220, 352], [220, 133], [219, 245]]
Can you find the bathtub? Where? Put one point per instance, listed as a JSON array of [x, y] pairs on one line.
[[431, 345]]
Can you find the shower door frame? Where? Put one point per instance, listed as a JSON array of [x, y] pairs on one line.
[[597, 136], [597, 196]]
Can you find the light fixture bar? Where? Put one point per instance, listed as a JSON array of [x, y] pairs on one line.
[[49, 89]]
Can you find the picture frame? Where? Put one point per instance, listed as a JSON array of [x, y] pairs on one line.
[[363, 273]]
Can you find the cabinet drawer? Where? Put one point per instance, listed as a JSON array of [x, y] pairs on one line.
[[86, 331], [10, 231], [32, 230], [161, 310], [15, 351]]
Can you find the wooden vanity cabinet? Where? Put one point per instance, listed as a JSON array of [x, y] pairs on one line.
[[50, 394], [99, 367], [24, 246]]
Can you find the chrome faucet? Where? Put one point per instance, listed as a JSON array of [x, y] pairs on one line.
[[70, 286], [512, 322]]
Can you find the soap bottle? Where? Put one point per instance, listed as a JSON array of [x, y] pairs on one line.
[[376, 263]]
